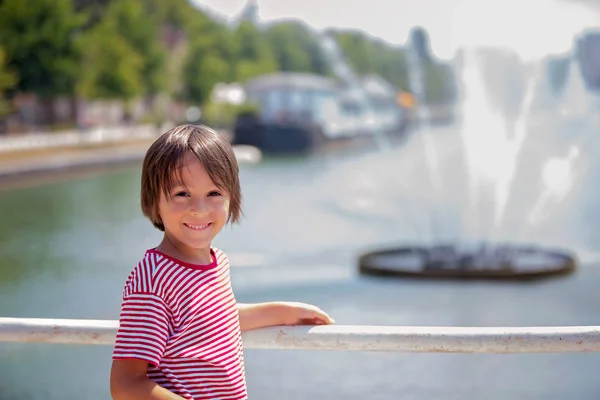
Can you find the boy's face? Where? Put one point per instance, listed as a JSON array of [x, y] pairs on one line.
[[197, 211]]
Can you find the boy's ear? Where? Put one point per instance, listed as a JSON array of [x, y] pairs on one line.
[[158, 216]]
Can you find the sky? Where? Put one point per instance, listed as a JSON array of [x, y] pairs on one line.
[[533, 28]]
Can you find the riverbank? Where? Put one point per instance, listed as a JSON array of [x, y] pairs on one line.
[[48, 155], [61, 156], [42, 167], [44, 154]]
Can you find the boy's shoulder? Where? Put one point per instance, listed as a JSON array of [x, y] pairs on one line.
[[220, 254], [154, 261], [140, 278]]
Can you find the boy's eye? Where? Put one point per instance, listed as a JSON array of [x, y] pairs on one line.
[[214, 193], [181, 194]]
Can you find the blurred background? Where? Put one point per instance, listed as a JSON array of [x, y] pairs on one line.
[[358, 125]]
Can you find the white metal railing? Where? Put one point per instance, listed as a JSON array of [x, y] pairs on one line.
[[496, 340]]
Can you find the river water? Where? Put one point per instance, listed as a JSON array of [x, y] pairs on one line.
[[68, 246]]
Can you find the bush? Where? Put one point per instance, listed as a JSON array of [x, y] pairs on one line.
[[224, 115]]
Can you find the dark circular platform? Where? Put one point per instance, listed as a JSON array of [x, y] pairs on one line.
[[493, 262]]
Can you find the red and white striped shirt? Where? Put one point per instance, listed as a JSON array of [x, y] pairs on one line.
[[183, 320]]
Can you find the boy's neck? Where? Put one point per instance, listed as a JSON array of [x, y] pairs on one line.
[[185, 253]]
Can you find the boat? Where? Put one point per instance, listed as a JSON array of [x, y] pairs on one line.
[[302, 112]]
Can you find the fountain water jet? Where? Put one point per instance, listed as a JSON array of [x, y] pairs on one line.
[[558, 179], [416, 53], [499, 149]]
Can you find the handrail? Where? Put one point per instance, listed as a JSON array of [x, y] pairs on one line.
[[413, 339]]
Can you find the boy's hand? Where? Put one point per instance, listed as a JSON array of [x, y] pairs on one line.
[[304, 314]]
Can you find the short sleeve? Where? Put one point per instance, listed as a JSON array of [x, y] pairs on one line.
[[143, 328]]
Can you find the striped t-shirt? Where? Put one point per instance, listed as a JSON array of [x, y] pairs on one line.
[[183, 320]]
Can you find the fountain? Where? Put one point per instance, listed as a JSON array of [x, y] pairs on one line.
[[499, 91], [490, 262]]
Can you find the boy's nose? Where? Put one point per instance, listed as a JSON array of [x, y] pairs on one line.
[[199, 207]]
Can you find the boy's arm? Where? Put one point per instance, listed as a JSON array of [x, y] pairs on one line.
[[128, 381], [260, 315]]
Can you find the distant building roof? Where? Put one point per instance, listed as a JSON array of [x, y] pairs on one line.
[[291, 80]]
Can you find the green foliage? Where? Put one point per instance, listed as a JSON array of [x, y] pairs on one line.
[[208, 60], [112, 67], [368, 55], [8, 80], [296, 48], [140, 29], [123, 56], [438, 88], [223, 115], [202, 71], [123, 49], [38, 38], [252, 54], [174, 13]]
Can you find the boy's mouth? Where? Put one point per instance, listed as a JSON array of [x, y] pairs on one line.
[[198, 227]]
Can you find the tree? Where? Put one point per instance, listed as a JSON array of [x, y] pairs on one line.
[[112, 69], [209, 59], [123, 56], [253, 55], [367, 55], [94, 9], [175, 13], [140, 29], [38, 37], [203, 70], [8, 79], [296, 48]]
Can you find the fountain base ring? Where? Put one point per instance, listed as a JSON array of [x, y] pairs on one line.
[[487, 262]]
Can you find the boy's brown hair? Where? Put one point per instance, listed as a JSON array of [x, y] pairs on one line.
[[160, 170]]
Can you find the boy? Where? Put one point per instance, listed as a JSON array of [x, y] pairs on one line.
[[180, 326]]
